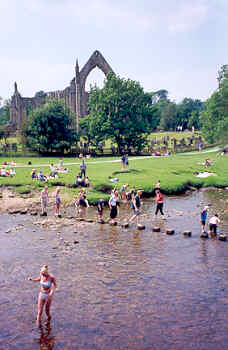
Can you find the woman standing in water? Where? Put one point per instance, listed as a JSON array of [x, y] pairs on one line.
[[57, 202], [47, 289]]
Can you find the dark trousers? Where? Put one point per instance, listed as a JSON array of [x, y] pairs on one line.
[[83, 172], [159, 208]]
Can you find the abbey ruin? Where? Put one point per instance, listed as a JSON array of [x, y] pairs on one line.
[[74, 95]]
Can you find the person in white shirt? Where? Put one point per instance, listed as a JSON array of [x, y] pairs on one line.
[[213, 222]]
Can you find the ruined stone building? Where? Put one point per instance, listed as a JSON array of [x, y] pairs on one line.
[[74, 95]]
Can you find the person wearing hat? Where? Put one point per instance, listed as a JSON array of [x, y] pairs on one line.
[[47, 288], [203, 216]]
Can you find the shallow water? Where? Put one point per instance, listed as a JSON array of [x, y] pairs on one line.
[[119, 288]]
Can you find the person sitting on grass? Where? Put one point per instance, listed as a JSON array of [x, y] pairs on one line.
[[86, 182], [34, 174], [4, 172], [12, 172], [208, 162], [53, 170], [79, 180], [41, 176]]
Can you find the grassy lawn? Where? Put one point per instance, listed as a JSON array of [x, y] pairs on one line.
[[175, 172]]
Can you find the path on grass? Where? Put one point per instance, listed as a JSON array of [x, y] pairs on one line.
[[118, 160]]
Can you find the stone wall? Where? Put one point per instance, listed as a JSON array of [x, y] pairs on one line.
[[75, 96]]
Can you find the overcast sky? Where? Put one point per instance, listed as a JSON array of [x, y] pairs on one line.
[[177, 45]]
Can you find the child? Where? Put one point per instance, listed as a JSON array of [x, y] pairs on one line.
[[204, 217], [100, 207]]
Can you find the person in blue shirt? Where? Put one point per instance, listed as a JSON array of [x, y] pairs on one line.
[[204, 217]]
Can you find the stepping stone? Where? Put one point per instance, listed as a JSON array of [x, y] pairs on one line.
[[187, 233], [170, 232], [101, 221], [125, 224], [222, 237], [141, 227], [156, 229], [204, 235], [113, 223]]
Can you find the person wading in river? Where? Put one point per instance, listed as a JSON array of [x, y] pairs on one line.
[[44, 199], [47, 288], [213, 222], [135, 205], [159, 200], [204, 218]]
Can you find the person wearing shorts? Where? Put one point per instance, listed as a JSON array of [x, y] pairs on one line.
[[135, 205], [44, 199], [213, 222], [57, 202], [100, 207], [113, 206], [203, 216]]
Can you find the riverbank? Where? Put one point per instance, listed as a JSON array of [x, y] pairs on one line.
[[177, 174]]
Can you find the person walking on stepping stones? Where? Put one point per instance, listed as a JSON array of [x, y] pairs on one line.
[[135, 205], [113, 206], [204, 217], [100, 208], [57, 202], [213, 222], [159, 200], [44, 199]]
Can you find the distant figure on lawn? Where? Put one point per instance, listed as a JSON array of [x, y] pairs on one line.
[[83, 169]]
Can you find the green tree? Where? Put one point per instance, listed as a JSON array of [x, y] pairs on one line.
[[120, 111], [188, 112], [5, 112], [168, 116], [49, 128], [214, 117]]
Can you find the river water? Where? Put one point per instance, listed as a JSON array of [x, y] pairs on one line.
[[118, 288]]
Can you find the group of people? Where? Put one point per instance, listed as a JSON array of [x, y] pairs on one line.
[[44, 201], [214, 221], [48, 283], [81, 179], [5, 172], [125, 161]]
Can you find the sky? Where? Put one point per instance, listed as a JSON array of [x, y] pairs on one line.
[[177, 45]]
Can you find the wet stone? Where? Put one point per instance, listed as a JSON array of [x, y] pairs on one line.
[[204, 235], [170, 232], [187, 233], [222, 237], [156, 229]]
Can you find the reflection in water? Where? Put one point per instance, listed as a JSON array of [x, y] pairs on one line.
[[120, 288], [46, 340]]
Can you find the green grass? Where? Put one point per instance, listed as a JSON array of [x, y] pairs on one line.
[[175, 173]]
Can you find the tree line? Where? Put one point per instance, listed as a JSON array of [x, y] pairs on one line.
[[124, 113]]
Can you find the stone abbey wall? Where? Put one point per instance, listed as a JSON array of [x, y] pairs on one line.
[[74, 95]]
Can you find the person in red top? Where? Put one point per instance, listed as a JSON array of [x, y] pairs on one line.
[[159, 201]]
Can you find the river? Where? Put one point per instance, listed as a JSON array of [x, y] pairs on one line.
[[118, 288]]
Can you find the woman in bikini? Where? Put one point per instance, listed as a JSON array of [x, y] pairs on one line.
[[47, 289]]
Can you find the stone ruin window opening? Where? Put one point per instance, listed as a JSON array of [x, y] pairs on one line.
[[95, 77]]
